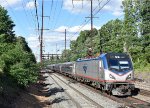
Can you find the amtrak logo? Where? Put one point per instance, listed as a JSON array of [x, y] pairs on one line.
[[85, 68]]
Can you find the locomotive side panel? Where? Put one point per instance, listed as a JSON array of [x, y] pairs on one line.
[[88, 68]]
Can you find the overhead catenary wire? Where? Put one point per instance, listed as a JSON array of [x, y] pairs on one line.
[[82, 25], [75, 19], [66, 19], [33, 16], [51, 6], [83, 22], [59, 13], [89, 15], [89, 19], [54, 12], [55, 9], [37, 18], [25, 12]]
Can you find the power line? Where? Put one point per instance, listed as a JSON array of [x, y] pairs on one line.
[[89, 19], [75, 19], [41, 41], [59, 13], [66, 18], [29, 21], [65, 42], [88, 16], [37, 18], [33, 17], [51, 7], [54, 10]]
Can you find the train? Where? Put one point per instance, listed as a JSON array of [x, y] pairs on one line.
[[110, 72]]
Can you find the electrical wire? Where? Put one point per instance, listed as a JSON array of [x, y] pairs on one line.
[[37, 18], [59, 14], [89, 16], [89, 19], [29, 21]]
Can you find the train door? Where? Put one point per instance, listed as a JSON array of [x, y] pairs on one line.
[[73, 68], [101, 69]]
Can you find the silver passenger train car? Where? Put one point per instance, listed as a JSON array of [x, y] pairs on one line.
[[111, 72]]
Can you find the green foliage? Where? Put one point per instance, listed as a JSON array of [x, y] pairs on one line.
[[17, 61], [6, 26]]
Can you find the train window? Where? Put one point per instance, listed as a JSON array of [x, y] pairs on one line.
[[119, 62], [118, 56], [113, 64], [124, 64], [119, 65]]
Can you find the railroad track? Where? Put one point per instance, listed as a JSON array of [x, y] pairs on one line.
[[78, 104], [127, 102], [145, 92]]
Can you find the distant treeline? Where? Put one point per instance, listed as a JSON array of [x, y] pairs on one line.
[[130, 35]]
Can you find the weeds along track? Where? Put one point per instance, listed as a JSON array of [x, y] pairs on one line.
[[130, 102]]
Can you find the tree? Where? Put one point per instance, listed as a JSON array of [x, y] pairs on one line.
[[6, 26], [145, 27], [17, 62], [109, 37], [129, 32]]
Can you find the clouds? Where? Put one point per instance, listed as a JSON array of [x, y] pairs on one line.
[[31, 5], [114, 6], [57, 36], [9, 2], [18, 4], [33, 41], [74, 29]]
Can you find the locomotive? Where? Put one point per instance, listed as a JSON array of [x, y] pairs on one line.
[[110, 72]]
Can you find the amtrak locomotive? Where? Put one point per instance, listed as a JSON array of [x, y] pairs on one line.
[[111, 72]]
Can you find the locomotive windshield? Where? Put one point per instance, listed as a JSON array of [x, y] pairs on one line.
[[119, 62]]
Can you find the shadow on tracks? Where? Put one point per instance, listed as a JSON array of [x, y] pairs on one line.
[[56, 100], [53, 91], [48, 91]]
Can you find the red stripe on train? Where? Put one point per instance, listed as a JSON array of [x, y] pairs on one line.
[[100, 80]]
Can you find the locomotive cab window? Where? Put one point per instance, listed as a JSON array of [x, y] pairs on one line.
[[119, 63]]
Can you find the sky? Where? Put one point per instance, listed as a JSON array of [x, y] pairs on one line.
[[60, 15]]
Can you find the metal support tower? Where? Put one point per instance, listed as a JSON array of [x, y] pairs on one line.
[[65, 42], [41, 41], [91, 15]]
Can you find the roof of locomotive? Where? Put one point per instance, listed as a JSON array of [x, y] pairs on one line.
[[68, 62], [95, 58], [100, 56]]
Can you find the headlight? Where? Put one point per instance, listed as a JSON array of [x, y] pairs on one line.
[[112, 77], [128, 77]]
